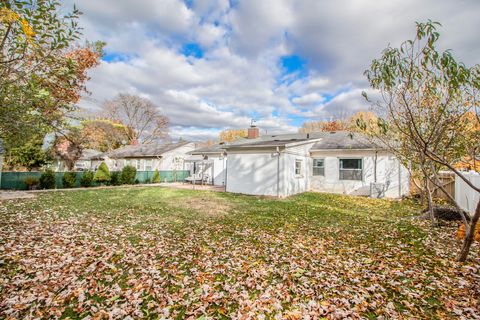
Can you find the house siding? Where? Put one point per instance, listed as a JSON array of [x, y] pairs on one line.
[[252, 173], [219, 166], [387, 173], [293, 183], [257, 172]]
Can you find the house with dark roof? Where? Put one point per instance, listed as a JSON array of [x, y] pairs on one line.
[[147, 157], [338, 162], [82, 163]]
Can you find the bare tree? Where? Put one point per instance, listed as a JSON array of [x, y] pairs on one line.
[[143, 119]]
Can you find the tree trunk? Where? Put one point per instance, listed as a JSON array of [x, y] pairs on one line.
[[467, 243], [431, 212]]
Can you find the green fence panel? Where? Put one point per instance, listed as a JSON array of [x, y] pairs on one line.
[[165, 176], [16, 180]]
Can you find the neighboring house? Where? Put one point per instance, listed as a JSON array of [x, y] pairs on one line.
[[339, 162], [147, 157], [208, 165], [83, 163]]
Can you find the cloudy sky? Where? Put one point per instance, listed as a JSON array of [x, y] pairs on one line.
[[216, 64]]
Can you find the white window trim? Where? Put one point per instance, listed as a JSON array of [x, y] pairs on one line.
[[353, 158], [298, 175], [150, 161], [313, 167]]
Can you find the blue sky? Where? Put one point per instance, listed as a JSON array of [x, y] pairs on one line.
[[211, 65]]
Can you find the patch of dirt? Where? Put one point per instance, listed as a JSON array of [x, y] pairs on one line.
[[446, 213], [206, 205]]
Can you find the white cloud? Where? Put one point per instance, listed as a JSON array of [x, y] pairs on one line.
[[308, 99], [239, 76]]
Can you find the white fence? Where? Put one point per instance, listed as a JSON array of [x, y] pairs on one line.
[[465, 196]]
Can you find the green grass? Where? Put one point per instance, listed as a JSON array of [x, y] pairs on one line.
[[153, 252]]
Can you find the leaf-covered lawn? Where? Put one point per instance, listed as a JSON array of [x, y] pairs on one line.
[[176, 254]]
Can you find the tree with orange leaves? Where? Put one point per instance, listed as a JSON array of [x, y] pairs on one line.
[[42, 71], [230, 135]]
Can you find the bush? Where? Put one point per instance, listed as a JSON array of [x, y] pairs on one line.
[[115, 178], [87, 179], [128, 175], [103, 174], [69, 179], [31, 182], [156, 177], [47, 180]]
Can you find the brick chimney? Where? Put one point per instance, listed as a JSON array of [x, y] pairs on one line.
[[253, 132]]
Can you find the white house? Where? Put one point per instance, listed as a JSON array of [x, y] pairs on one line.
[[208, 165], [148, 157], [85, 161], [339, 162], [82, 163]]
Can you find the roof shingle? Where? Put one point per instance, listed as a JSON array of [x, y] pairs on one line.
[[143, 150]]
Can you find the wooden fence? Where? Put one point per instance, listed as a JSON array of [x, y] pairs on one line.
[[447, 180]]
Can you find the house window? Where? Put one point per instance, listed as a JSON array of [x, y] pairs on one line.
[[298, 167], [139, 165], [318, 167], [351, 169], [148, 165]]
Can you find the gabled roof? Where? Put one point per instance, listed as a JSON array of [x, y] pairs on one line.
[[144, 150], [215, 148], [335, 140], [276, 140], [88, 154], [343, 140]]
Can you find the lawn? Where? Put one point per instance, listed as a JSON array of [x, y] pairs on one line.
[[184, 254]]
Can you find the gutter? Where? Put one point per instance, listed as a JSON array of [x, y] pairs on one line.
[[348, 149]]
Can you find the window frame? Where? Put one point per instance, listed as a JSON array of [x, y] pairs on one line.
[[341, 169], [299, 168], [148, 164], [318, 167]]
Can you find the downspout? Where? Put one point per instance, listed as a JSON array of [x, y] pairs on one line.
[[278, 172], [375, 167]]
